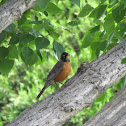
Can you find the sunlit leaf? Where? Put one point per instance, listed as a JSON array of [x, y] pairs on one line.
[[100, 98]]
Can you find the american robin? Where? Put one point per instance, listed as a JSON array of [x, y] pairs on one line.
[[59, 72]]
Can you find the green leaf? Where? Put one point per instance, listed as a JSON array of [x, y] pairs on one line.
[[102, 1], [13, 52], [10, 28], [3, 53], [41, 42], [58, 48], [46, 14], [87, 39], [102, 35], [40, 24], [100, 98], [109, 24], [3, 35], [14, 39], [52, 8], [97, 52], [123, 61], [26, 38], [36, 33], [118, 13], [110, 37], [42, 4], [77, 2], [95, 29], [39, 54], [112, 2], [101, 10], [22, 20], [44, 57], [98, 12], [39, 61], [123, 2], [74, 23], [103, 45], [85, 10], [5, 66], [94, 45], [57, 1], [36, 22], [121, 28], [55, 35], [28, 56], [93, 13]]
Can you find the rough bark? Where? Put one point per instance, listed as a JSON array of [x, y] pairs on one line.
[[13, 10], [78, 92], [113, 114]]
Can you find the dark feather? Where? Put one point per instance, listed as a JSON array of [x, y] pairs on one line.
[[51, 76]]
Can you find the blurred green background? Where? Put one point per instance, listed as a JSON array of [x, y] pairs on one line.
[[85, 29]]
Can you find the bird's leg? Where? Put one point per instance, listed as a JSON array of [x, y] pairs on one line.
[[60, 82]]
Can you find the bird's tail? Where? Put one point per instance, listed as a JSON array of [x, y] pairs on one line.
[[41, 92]]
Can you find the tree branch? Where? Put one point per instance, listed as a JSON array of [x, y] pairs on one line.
[[113, 114], [13, 10], [78, 92]]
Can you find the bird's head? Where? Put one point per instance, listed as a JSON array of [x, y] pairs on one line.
[[65, 57]]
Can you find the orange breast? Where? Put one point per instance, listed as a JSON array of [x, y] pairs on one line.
[[64, 73]]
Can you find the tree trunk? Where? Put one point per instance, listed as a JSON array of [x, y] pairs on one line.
[[113, 114], [78, 92], [13, 10]]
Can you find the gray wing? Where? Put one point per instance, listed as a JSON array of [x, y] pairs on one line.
[[55, 71], [52, 75]]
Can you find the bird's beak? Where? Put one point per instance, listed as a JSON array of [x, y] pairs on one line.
[[68, 55]]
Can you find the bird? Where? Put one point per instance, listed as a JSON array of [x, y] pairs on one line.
[[59, 72]]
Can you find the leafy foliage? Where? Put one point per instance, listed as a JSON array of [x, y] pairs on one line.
[[85, 29]]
